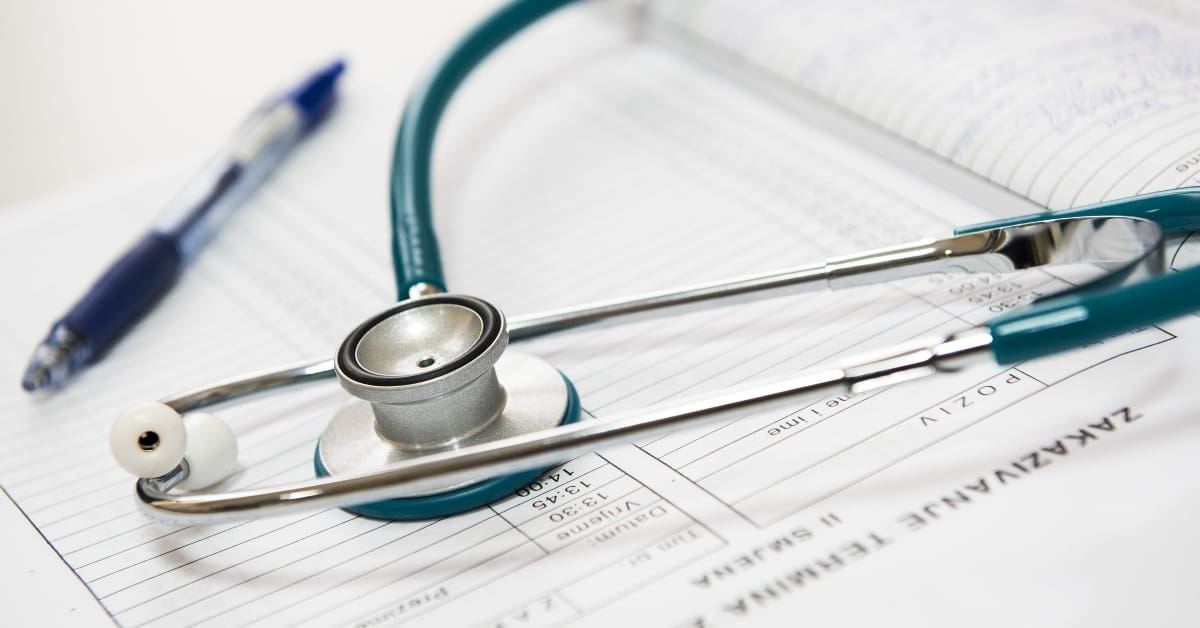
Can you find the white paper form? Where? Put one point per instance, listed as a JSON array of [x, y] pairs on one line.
[[1068, 102], [34, 570], [637, 170]]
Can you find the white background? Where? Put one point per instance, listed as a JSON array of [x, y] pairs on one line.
[[95, 88]]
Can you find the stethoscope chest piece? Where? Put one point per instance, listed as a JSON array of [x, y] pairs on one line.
[[431, 375]]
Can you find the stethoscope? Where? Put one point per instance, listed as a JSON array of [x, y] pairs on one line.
[[445, 420]]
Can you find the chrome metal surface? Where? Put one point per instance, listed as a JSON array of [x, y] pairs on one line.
[[1118, 245], [437, 410], [251, 384], [431, 472], [423, 289], [416, 340], [916, 359], [536, 400], [442, 420], [741, 289], [1115, 244], [415, 343], [172, 478]]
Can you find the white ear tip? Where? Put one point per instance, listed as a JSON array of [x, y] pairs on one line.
[[211, 451], [148, 439]]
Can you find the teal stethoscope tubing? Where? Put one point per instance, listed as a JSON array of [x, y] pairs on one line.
[[1047, 327], [414, 244], [1089, 316]]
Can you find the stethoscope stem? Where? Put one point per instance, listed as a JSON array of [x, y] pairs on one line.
[[547, 447]]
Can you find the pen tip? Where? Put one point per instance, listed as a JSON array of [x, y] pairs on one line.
[[36, 378], [55, 359]]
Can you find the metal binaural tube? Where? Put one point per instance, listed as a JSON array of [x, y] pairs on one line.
[[546, 447], [251, 385], [1120, 244]]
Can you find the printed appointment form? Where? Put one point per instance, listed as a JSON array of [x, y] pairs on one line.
[[975, 496]]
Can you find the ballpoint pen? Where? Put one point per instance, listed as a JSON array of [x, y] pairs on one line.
[[135, 281]]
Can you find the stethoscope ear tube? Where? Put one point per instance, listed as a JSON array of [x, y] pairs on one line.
[[1086, 317]]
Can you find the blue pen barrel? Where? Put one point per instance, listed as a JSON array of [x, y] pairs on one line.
[[1076, 320], [125, 292], [130, 287]]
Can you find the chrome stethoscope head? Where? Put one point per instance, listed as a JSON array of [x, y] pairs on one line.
[[429, 375], [432, 375]]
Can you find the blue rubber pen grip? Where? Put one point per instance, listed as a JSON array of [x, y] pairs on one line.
[[1084, 318], [124, 292]]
